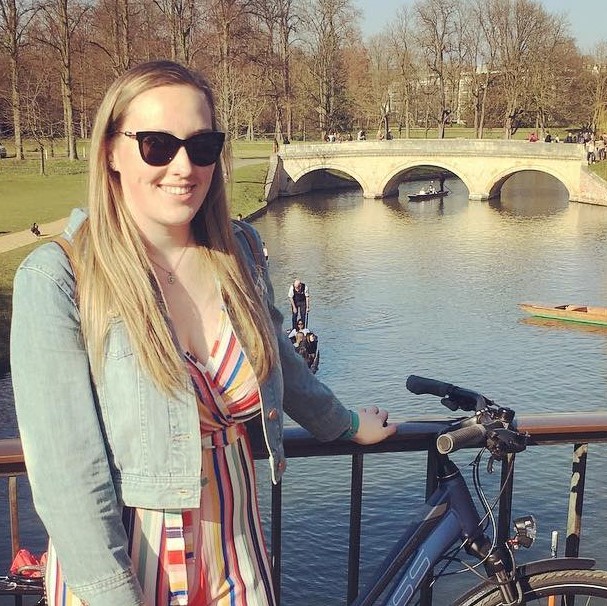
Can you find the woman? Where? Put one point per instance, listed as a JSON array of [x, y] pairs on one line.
[[156, 341]]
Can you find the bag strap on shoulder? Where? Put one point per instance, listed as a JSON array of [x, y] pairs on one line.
[[68, 249]]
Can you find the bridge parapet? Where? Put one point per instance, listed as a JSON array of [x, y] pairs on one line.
[[446, 147], [379, 166]]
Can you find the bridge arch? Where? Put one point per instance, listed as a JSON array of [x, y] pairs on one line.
[[299, 177], [390, 184], [494, 188]]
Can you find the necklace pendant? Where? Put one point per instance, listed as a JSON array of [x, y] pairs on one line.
[[170, 278]]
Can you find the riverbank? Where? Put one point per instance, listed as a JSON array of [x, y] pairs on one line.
[[28, 197]]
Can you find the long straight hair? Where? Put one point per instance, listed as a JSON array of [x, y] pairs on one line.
[[115, 279]]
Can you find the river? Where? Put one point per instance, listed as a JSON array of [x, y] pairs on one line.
[[431, 288]]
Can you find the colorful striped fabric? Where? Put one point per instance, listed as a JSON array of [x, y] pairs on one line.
[[214, 555]]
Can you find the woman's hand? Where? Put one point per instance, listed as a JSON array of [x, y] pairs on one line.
[[374, 426]]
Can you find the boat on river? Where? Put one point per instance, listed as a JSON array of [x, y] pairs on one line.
[[571, 313], [441, 193]]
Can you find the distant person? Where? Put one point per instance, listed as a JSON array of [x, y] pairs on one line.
[[313, 352], [265, 250], [532, 137], [548, 137], [35, 229], [299, 328], [590, 151], [239, 217], [600, 149], [300, 343], [362, 135], [299, 297]]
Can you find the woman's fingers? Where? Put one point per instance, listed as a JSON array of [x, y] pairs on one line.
[[373, 425], [372, 409]]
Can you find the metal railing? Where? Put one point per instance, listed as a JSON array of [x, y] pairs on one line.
[[578, 429]]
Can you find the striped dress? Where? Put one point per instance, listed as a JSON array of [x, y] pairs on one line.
[[214, 555]]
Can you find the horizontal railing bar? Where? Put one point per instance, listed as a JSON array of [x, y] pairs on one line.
[[413, 435]]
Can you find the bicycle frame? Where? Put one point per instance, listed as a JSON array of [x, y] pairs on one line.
[[449, 515]]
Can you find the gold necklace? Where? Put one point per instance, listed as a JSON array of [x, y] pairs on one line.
[[171, 273]]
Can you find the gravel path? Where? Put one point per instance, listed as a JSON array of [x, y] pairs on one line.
[[23, 238]]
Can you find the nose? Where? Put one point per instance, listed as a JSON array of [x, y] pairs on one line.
[[181, 163]]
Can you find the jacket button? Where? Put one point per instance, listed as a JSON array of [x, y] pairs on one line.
[[282, 465], [272, 414]]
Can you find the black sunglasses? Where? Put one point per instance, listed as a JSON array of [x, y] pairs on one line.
[[158, 148]]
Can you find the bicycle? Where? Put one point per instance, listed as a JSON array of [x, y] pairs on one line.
[[450, 518]]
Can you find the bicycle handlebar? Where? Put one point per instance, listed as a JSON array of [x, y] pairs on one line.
[[491, 426], [473, 435], [421, 385], [453, 397]]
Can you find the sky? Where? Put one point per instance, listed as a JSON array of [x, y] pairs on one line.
[[587, 18]]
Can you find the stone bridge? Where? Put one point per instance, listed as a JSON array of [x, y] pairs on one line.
[[482, 165]]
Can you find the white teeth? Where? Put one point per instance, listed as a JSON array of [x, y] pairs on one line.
[[177, 190]]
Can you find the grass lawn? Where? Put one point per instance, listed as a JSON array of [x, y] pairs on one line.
[[600, 169]]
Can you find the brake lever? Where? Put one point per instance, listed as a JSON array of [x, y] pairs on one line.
[[501, 442]]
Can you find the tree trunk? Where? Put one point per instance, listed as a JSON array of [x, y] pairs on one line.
[[42, 160], [16, 103]]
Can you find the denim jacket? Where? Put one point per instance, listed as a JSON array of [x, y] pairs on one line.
[[90, 449]]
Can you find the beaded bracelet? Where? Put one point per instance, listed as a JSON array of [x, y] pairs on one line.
[[354, 425]]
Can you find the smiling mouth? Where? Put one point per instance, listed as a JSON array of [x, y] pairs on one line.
[[177, 189]]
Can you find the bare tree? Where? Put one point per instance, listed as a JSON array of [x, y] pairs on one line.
[[436, 35], [357, 67], [521, 27], [597, 88], [381, 80], [547, 72], [401, 49], [61, 19], [277, 21], [38, 115], [111, 32], [327, 24], [482, 40], [15, 18], [228, 26], [182, 19]]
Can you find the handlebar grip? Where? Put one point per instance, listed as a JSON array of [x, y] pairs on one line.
[[460, 438], [421, 385]]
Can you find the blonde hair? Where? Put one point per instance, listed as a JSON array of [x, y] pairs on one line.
[[114, 274]]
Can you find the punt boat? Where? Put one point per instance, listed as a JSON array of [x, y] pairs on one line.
[[571, 313]]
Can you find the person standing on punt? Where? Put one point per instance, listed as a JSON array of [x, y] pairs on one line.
[[156, 339], [299, 297]]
